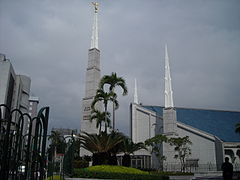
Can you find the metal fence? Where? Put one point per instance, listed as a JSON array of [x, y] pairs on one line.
[[62, 163], [22, 156], [197, 168]]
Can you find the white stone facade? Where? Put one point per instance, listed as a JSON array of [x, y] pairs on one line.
[[93, 76], [204, 146], [144, 123]]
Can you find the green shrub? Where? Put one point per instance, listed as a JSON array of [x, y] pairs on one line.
[[55, 177], [116, 172], [116, 169]]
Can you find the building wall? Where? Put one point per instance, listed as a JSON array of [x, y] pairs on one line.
[[203, 145], [33, 110], [22, 97], [170, 131], [93, 76], [33, 106], [14, 89], [144, 123], [7, 81], [232, 151]]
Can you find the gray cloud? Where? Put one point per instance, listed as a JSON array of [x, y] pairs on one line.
[[49, 40]]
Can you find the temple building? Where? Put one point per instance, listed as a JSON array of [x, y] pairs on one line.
[[93, 75], [212, 132]]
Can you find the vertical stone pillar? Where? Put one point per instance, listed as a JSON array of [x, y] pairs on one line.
[[170, 130]]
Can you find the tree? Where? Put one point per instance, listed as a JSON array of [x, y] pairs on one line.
[[104, 97], [182, 147], [100, 117], [237, 126], [156, 142], [57, 142], [128, 147], [113, 81], [101, 145]]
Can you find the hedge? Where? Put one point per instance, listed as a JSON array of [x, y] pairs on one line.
[[116, 169], [141, 175], [55, 177]]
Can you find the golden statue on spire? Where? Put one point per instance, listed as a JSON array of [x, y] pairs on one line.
[[96, 4]]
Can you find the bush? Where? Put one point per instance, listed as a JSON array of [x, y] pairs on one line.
[[117, 172], [116, 169], [55, 177]]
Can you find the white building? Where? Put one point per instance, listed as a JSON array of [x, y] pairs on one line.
[[33, 110], [14, 89], [212, 132], [93, 76]]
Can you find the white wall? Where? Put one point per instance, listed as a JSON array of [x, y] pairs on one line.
[[143, 123], [203, 145]]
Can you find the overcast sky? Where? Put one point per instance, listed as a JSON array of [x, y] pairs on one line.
[[48, 40]]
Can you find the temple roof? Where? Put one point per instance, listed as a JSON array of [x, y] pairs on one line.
[[216, 122]]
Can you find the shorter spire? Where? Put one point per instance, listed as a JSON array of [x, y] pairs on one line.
[[94, 39], [135, 92], [168, 82]]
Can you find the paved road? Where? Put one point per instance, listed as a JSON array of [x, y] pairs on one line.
[[171, 178], [210, 178]]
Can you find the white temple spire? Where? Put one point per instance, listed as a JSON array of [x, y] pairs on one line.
[[94, 39], [135, 92], [168, 83]]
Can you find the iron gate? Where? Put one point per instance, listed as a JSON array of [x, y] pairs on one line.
[[22, 156]]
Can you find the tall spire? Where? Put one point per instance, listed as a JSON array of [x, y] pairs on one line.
[[94, 39], [135, 92], [168, 83]]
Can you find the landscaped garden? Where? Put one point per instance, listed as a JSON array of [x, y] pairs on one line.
[[107, 143]]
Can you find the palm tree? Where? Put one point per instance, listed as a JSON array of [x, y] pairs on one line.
[[101, 145], [100, 117], [113, 81], [237, 130], [105, 97], [56, 141], [128, 147]]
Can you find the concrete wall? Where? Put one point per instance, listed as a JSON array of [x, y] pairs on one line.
[[33, 110], [93, 75], [203, 145], [6, 70], [232, 151], [22, 94], [16, 93], [144, 123]]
